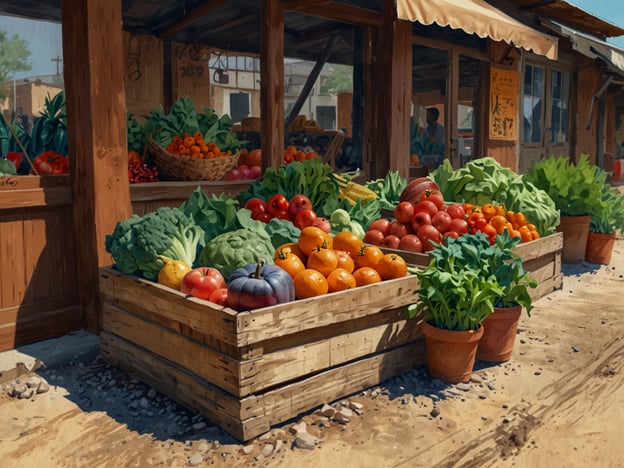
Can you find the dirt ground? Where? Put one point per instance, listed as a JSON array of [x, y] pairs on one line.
[[559, 400]]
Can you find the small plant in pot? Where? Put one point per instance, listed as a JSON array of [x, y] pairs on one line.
[[496, 344], [456, 294], [605, 221], [576, 190]]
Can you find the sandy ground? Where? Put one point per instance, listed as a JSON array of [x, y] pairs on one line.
[[559, 401]]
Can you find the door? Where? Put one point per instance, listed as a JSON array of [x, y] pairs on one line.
[[546, 114]]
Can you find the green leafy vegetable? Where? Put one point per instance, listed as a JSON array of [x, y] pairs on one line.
[[388, 189], [281, 231], [7, 167], [136, 242]]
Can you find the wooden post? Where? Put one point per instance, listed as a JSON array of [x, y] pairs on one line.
[[96, 121], [272, 82], [395, 55]]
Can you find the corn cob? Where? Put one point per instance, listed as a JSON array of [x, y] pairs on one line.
[[352, 191]]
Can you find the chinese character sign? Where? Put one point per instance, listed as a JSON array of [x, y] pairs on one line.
[[503, 104]]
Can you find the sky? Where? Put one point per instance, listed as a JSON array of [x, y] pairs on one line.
[[44, 38]]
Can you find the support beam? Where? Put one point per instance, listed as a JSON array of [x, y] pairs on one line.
[[97, 137], [272, 82]]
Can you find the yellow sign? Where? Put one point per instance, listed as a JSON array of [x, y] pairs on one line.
[[503, 104]]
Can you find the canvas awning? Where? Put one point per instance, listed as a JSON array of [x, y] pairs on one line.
[[592, 47], [480, 18]]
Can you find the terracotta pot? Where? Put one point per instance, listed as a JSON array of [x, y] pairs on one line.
[[575, 230], [599, 247], [451, 354], [499, 334]]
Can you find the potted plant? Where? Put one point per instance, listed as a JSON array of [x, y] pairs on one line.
[[605, 220], [496, 344], [576, 190], [456, 294]]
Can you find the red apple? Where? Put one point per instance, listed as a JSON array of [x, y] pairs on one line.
[[245, 172], [234, 174], [298, 203], [202, 282], [256, 172], [323, 224], [219, 296]]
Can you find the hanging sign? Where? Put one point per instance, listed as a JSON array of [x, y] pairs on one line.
[[503, 104]]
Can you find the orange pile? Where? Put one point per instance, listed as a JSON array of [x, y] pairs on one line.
[[195, 147], [291, 153], [499, 220]]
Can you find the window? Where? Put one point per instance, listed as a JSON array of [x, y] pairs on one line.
[[533, 96], [560, 107]]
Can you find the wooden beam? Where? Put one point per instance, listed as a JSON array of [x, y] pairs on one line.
[[97, 138], [332, 10], [191, 16], [309, 84], [272, 82]]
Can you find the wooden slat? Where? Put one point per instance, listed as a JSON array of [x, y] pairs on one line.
[[349, 14], [34, 191], [155, 191], [249, 417]]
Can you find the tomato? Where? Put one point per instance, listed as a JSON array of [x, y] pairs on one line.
[[391, 241], [340, 279], [420, 219], [488, 211], [310, 283], [50, 162], [322, 260], [282, 215], [349, 242], [382, 225], [392, 266], [476, 220], [260, 215], [411, 243], [219, 296], [373, 236], [433, 196], [366, 275], [427, 206], [427, 235], [312, 237], [299, 203], [400, 229], [304, 219], [369, 256], [323, 224], [404, 211], [459, 226], [289, 262], [256, 203], [15, 158], [277, 203], [456, 211], [452, 234], [441, 221], [345, 261]]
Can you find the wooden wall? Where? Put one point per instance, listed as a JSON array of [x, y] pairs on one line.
[[38, 287], [588, 81]]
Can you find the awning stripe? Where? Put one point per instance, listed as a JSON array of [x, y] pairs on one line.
[[480, 18]]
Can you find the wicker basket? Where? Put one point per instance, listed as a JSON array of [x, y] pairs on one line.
[[181, 167]]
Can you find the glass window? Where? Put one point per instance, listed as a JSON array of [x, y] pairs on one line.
[[560, 105], [533, 91]]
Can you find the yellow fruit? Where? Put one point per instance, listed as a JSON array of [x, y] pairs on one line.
[[172, 273]]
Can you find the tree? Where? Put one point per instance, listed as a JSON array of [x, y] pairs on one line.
[[340, 79], [14, 55]]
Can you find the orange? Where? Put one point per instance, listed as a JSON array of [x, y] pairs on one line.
[[392, 266], [310, 283], [322, 260], [345, 261], [289, 262], [349, 242], [369, 256], [291, 247], [340, 279], [312, 237], [366, 275]]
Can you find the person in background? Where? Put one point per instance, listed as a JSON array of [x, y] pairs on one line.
[[432, 141]]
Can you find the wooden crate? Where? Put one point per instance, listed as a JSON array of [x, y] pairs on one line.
[[541, 259], [250, 370]]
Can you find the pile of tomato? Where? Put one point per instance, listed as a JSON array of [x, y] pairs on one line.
[[417, 226], [320, 263]]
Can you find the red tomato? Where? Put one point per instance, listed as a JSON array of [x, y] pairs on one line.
[[382, 225], [460, 226], [256, 203], [411, 243], [427, 206], [441, 221], [202, 282], [456, 211], [260, 215], [323, 224], [404, 211], [304, 218], [299, 203], [428, 234], [420, 219], [277, 203], [282, 215], [452, 234], [400, 229], [433, 196], [219, 296], [391, 241], [373, 236]]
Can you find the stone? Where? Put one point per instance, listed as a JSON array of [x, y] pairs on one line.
[[463, 387], [355, 405], [305, 441], [476, 378], [200, 426], [279, 443], [144, 403], [343, 416], [267, 449], [18, 389], [297, 428], [26, 394], [327, 411], [435, 412], [247, 449], [195, 459], [151, 394], [33, 382]]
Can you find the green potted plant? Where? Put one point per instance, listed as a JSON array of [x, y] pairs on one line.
[[496, 344], [456, 294], [576, 189], [605, 221]]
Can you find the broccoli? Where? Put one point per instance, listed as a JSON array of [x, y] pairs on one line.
[[137, 241]]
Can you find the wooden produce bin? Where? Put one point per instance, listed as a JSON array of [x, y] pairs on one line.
[[150, 196], [541, 259], [250, 370]]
